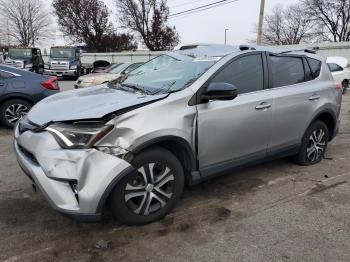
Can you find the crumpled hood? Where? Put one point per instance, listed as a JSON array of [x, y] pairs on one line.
[[87, 103]]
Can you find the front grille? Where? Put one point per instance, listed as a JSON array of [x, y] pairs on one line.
[[29, 155], [59, 67]]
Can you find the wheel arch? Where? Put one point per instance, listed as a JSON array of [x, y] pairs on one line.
[[177, 146], [329, 118], [7, 98]]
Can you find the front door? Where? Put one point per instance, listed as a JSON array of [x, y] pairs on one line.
[[234, 132]]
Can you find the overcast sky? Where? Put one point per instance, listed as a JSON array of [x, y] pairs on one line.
[[209, 26]]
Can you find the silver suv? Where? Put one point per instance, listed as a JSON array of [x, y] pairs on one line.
[[177, 120]]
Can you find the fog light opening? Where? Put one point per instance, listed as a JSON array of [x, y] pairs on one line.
[[74, 187]]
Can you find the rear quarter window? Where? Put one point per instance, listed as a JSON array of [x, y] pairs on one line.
[[315, 66]]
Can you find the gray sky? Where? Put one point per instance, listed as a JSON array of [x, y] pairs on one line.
[[208, 26]]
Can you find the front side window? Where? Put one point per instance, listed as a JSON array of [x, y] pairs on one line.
[[245, 73], [287, 70], [334, 67]]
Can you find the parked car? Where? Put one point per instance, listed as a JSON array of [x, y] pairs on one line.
[[339, 70], [177, 120], [20, 90], [113, 73]]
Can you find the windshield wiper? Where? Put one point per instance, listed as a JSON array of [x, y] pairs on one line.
[[165, 91], [130, 86]]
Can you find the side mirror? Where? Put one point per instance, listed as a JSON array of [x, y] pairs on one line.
[[220, 91]]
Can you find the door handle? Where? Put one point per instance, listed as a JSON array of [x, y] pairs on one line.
[[2, 84], [314, 97], [263, 106]]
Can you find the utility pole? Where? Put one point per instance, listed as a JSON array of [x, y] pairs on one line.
[[261, 22], [226, 35], [8, 33]]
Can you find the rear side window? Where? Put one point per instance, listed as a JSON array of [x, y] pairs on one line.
[[334, 67], [287, 70], [246, 73], [315, 66]]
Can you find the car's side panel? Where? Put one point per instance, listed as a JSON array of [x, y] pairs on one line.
[[295, 106]]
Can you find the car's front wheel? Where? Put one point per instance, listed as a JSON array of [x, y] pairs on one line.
[[151, 191], [13, 110], [314, 144]]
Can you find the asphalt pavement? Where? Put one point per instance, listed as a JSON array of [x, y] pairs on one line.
[[277, 211]]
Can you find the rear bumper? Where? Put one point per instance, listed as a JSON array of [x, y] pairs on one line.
[[59, 72], [53, 170]]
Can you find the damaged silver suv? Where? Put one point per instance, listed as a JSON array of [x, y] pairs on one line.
[[177, 120]]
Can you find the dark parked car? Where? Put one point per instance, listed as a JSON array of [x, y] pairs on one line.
[[20, 90]]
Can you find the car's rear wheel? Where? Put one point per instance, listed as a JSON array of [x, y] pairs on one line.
[[150, 192], [314, 144], [13, 110]]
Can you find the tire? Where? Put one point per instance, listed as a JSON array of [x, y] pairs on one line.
[[78, 74], [314, 145], [13, 110], [40, 70], [129, 199], [345, 86]]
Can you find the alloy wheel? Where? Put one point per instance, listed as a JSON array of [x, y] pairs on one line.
[[15, 112], [149, 189], [317, 145]]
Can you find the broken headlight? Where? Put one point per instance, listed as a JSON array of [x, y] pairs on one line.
[[79, 135]]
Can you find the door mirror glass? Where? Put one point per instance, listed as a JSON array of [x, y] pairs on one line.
[[220, 91]]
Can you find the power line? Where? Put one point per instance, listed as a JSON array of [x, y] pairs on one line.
[[201, 8], [187, 3]]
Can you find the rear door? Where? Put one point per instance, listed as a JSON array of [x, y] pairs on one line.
[[296, 97]]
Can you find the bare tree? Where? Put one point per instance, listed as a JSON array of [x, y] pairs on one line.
[[149, 19], [88, 21], [332, 17], [287, 25], [26, 20]]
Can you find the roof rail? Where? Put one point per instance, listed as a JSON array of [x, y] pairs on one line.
[[246, 47], [300, 50]]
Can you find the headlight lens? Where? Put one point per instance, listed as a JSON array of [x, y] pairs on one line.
[[73, 67], [28, 65], [46, 66], [79, 135]]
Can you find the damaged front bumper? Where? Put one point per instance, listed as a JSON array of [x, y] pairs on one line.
[[75, 182]]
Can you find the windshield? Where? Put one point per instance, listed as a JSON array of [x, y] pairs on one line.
[[20, 53], [117, 69], [62, 53], [165, 73]]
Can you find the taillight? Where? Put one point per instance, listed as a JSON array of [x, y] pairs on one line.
[[51, 83], [338, 86]]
